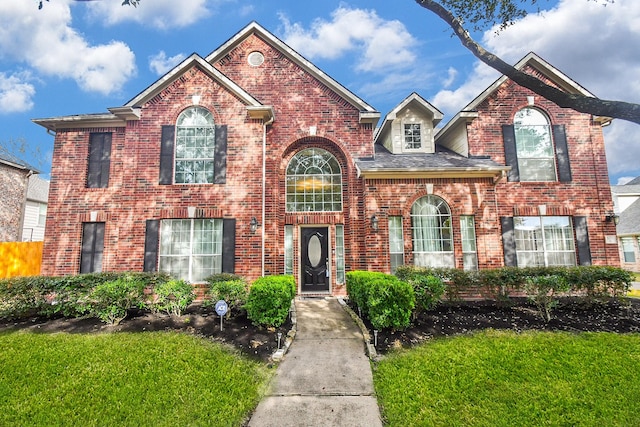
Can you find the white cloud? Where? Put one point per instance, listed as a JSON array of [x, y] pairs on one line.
[[45, 41], [379, 44], [594, 45], [162, 14], [452, 74], [160, 64], [16, 93]]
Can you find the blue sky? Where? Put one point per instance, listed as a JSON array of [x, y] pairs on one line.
[[75, 57]]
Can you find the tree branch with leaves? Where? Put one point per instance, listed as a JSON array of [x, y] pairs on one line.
[[480, 13]]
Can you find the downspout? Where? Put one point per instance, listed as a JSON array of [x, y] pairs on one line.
[[264, 188]]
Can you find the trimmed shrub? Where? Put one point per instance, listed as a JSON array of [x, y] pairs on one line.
[[110, 301], [172, 297], [390, 303], [543, 291], [358, 289], [428, 288], [384, 299], [269, 300], [233, 292]]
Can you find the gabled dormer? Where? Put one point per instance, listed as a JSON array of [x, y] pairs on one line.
[[408, 128]]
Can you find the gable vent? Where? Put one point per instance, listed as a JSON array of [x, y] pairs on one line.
[[255, 59]]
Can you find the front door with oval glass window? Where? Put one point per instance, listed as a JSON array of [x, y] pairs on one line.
[[315, 259]]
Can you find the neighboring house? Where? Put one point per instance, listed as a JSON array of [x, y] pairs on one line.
[[253, 161], [35, 212], [14, 178], [626, 200]]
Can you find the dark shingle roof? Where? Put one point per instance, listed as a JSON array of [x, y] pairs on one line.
[[442, 159]]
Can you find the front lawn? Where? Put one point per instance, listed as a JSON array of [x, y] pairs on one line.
[[124, 379], [496, 378]]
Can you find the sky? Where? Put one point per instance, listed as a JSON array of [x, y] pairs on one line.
[[79, 57]]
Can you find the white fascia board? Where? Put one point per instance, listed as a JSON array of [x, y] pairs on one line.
[[80, 121], [461, 117]]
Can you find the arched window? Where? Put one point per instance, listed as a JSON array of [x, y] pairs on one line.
[[314, 182], [432, 239], [195, 141], [534, 146]]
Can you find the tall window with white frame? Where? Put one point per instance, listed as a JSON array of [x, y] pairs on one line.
[[396, 243], [340, 269], [628, 249], [288, 249], [314, 182], [544, 241], [191, 249], [432, 238], [469, 251], [195, 142], [534, 146]]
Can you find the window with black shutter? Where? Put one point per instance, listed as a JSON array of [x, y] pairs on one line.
[[99, 160], [92, 247]]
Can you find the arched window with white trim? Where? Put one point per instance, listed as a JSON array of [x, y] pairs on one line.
[[432, 233], [314, 182]]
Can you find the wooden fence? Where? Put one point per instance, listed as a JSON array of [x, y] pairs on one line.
[[20, 259]]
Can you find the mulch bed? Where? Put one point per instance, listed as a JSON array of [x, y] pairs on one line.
[[253, 341], [469, 316], [445, 320]]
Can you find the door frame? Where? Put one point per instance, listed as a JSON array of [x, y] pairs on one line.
[[301, 262]]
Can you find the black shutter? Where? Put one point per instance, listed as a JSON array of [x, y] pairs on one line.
[[151, 241], [220, 155], [509, 242], [228, 245], [510, 154], [166, 154], [92, 247], [562, 153], [99, 160], [582, 238]]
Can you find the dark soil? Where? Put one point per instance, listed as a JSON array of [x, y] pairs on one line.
[[466, 317], [254, 341], [445, 320]]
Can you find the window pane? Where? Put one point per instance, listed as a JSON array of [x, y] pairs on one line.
[[544, 241], [534, 147], [468, 231], [396, 242], [432, 240], [340, 253], [191, 249], [288, 249], [628, 249], [314, 182], [194, 152]]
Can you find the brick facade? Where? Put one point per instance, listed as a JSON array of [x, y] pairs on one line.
[[310, 110]]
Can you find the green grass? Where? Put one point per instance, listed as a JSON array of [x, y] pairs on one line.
[[507, 379], [124, 379]]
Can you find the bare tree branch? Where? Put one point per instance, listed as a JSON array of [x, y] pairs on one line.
[[584, 104]]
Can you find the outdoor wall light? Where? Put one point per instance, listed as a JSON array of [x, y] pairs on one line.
[[253, 225], [612, 217], [374, 223]]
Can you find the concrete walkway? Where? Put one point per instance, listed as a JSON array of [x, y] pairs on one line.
[[325, 378]]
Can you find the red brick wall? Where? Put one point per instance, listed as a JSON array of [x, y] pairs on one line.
[[299, 100]]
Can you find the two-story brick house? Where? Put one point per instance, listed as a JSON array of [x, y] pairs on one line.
[[252, 160]]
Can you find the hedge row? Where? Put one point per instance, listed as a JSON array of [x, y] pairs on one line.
[[108, 296], [591, 283], [389, 301]]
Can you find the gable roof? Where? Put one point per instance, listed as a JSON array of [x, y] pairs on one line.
[[563, 81], [634, 181], [367, 112], [414, 98], [6, 158]]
